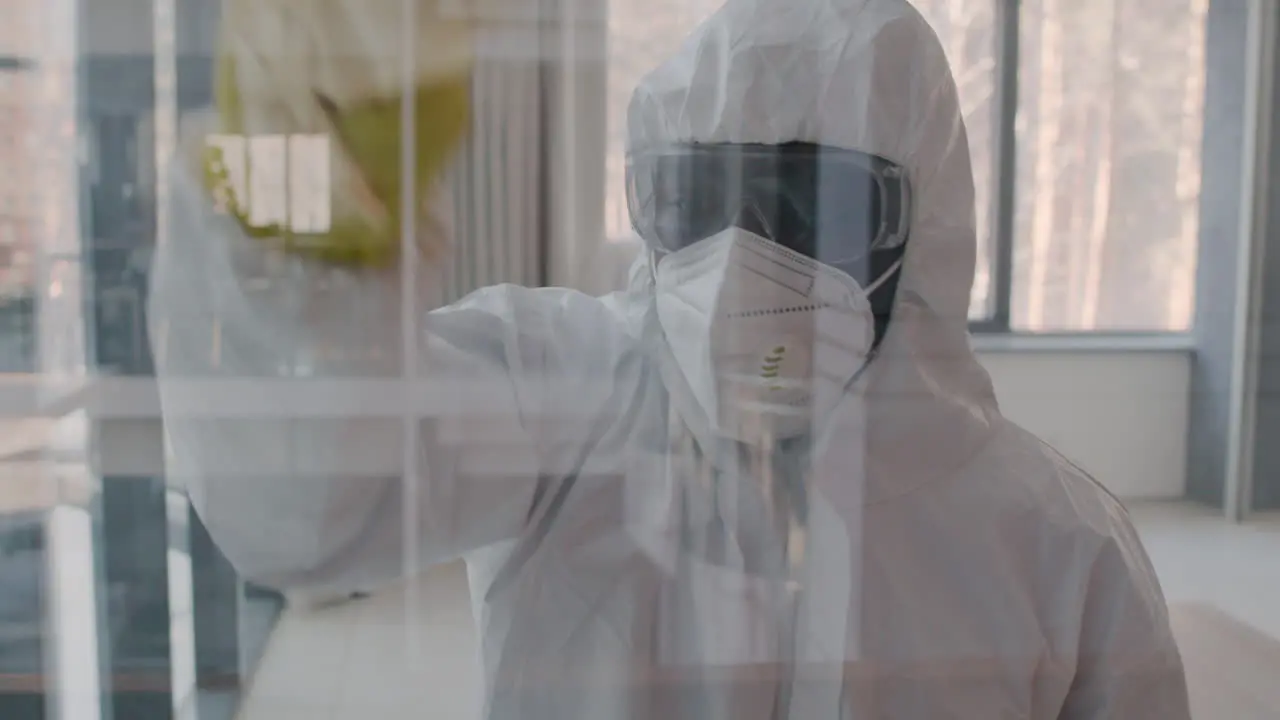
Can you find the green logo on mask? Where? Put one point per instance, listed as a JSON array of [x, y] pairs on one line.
[[772, 365]]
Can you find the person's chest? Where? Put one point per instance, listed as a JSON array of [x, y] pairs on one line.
[[891, 618], [663, 586]]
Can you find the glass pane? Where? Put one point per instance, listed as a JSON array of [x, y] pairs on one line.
[[116, 599], [112, 602], [244, 442], [1110, 117], [641, 36], [47, 582], [968, 31], [19, 213]]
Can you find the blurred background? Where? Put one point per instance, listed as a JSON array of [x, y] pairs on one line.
[[1124, 304]]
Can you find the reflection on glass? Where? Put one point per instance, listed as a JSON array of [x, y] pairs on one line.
[[19, 212], [277, 181], [309, 184], [118, 603], [74, 681], [967, 30], [22, 586], [641, 35]]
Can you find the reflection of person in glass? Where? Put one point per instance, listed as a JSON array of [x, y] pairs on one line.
[[768, 480]]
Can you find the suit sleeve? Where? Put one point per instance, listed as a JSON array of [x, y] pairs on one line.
[[1128, 664], [311, 496]]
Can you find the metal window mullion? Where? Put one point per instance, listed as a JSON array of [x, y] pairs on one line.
[[15, 63], [1258, 138], [545, 151], [1007, 59]]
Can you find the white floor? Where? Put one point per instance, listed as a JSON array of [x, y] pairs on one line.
[[1200, 558], [356, 661], [360, 660]]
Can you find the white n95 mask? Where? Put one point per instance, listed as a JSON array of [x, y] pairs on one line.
[[766, 339]]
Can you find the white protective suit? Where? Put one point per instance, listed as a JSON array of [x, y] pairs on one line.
[[954, 566]]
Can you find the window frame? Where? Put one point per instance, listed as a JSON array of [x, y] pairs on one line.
[[1008, 36], [998, 321]]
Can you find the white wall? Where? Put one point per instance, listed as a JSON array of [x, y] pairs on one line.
[[1121, 415]]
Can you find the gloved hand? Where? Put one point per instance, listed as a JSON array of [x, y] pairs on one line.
[[334, 68]]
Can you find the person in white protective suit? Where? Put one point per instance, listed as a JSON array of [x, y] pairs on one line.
[[767, 480]]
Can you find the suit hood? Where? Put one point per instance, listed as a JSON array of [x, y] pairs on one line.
[[871, 76]]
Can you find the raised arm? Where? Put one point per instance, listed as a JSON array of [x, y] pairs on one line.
[[311, 494], [1128, 664]]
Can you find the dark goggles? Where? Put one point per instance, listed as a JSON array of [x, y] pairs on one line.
[[834, 205]]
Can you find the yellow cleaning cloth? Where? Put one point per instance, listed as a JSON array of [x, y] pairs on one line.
[[333, 70]]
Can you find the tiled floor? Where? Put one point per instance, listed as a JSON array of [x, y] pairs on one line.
[[356, 661]]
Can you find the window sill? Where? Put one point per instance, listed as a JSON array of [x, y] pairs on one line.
[[1094, 342]]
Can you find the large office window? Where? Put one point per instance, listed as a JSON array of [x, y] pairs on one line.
[[1085, 124], [1110, 115]]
